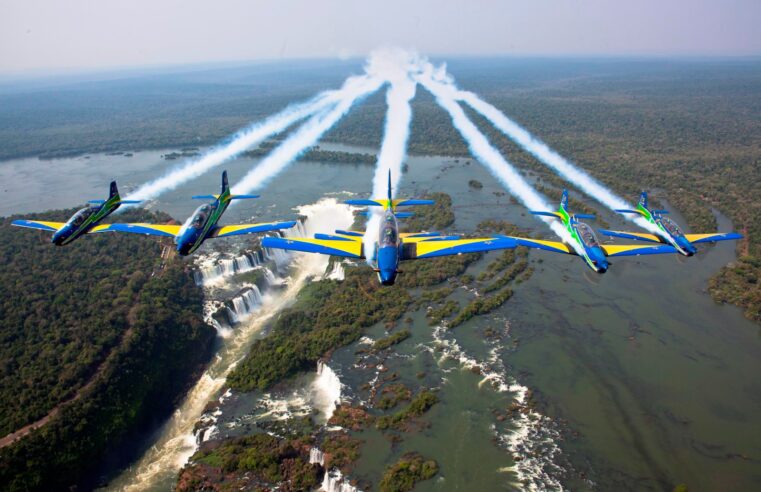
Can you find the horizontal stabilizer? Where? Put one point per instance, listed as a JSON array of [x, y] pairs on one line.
[[96, 202], [204, 197], [242, 197], [628, 211], [637, 236], [404, 215], [546, 214], [410, 203], [660, 212], [584, 216], [129, 202], [366, 203]]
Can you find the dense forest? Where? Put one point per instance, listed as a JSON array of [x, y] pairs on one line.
[[102, 319]]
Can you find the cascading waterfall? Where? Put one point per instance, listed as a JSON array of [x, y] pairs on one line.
[[334, 482], [245, 305], [326, 391], [176, 441]]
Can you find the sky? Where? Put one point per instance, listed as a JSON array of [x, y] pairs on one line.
[[52, 35]]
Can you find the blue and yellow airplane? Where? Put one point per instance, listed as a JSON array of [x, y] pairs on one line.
[[202, 225], [586, 244], [84, 221], [392, 246], [668, 231]]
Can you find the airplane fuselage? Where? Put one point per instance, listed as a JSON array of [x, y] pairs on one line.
[[84, 220], [197, 228], [586, 241], [387, 249], [669, 232]]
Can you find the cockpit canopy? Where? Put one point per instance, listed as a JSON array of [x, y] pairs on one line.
[[671, 226], [201, 216], [587, 235], [81, 216], [388, 231]]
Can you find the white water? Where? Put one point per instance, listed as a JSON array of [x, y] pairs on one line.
[[326, 391], [334, 482], [176, 442], [214, 268], [438, 84], [551, 158], [533, 438]]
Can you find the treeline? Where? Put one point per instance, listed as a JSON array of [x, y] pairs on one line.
[[101, 309], [317, 154]]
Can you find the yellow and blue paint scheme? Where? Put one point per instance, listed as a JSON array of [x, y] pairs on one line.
[[84, 221], [594, 254], [392, 246], [202, 225], [668, 231]]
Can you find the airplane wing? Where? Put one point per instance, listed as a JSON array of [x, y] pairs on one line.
[[149, 229], [638, 236], [345, 247], [240, 229], [709, 238], [553, 246], [39, 224], [628, 250], [430, 248]]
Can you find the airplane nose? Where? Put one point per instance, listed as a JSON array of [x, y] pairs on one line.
[[387, 277]]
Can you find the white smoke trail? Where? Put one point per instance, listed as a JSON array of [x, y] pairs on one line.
[[393, 66], [437, 82], [241, 141], [308, 134], [550, 157]]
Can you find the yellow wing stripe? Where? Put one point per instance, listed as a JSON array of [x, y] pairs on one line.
[[428, 247], [649, 237], [557, 246], [353, 248], [52, 225], [697, 237]]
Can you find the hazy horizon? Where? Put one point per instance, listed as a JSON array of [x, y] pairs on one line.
[[39, 37]]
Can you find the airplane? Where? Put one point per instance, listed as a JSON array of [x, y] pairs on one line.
[[668, 231], [586, 244], [202, 225], [392, 246], [84, 221]]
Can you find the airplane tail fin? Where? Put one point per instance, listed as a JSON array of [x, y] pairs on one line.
[[564, 200], [389, 185], [225, 184], [113, 191], [643, 199]]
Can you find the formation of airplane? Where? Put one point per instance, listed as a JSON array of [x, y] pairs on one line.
[[392, 246], [668, 231], [586, 245], [84, 221], [202, 225]]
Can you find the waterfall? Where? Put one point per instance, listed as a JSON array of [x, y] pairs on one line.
[[337, 273], [316, 456], [244, 305], [333, 482], [212, 269], [326, 390]]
